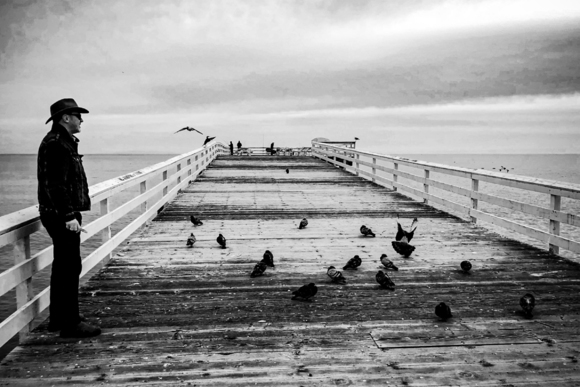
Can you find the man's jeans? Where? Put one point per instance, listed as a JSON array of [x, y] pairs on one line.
[[66, 268]]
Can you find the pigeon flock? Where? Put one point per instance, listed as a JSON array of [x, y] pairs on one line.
[[401, 245]]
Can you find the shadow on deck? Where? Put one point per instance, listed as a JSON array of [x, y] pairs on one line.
[[178, 316]]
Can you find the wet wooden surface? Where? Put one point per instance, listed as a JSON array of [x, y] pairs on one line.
[[173, 315]]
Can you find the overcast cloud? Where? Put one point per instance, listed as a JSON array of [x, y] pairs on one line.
[[405, 77]]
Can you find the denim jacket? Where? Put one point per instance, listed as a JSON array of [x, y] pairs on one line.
[[62, 183]]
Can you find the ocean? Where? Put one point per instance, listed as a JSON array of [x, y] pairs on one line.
[[18, 190]]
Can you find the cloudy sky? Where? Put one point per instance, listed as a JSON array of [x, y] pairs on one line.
[[407, 76]]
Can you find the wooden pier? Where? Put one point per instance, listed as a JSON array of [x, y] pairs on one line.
[[173, 315]]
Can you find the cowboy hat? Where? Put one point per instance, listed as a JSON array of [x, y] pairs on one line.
[[65, 105]]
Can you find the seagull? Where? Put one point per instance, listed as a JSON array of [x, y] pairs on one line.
[[303, 224], [335, 275], [387, 263], [195, 221], [268, 258], [403, 233], [443, 311], [465, 266], [528, 302], [208, 139], [305, 292], [221, 240], [366, 231], [259, 269], [353, 263], [356, 138], [190, 240], [384, 280], [189, 130]]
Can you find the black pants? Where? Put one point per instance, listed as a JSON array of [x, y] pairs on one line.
[[66, 268]]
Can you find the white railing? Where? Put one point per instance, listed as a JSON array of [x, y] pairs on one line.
[[264, 151], [350, 160], [16, 228]]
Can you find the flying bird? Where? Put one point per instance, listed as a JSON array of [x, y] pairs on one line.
[[305, 292], [195, 221], [353, 263], [259, 269], [384, 280], [188, 129], [403, 248], [208, 139], [335, 275], [402, 233], [528, 302], [303, 224], [268, 258], [387, 263], [190, 240], [221, 241], [443, 311], [366, 231], [465, 266]]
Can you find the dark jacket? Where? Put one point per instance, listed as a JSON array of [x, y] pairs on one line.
[[62, 183]]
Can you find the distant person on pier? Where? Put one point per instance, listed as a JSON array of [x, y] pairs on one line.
[[63, 192], [239, 146], [231, 148], [272, 151]]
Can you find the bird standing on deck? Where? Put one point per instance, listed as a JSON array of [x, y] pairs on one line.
[[221, 241], [366, 231], [465, 266], [189, 129], [305, 292], [191, 240], [259, 269], [387, 263], [384, 280], [443, 311], [287, 170], [268, 258], [335, 275], [195, 221], [353, 263], [303, 224], [528, 302]]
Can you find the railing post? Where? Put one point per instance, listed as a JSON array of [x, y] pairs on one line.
[[165, 178], [189, 169], [474, 202], [24, 292], [178, 170], [357, 164], [374, 169], [395, 176], [106, 233], [426, 186], [142, 190], [555, 204]]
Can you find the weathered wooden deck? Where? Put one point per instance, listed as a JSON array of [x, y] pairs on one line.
[[178, 316]]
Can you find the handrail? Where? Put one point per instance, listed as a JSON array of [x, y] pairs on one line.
[[16, 228], [350, 160]]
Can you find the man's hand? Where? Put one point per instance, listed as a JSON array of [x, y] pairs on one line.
[[73, 225]]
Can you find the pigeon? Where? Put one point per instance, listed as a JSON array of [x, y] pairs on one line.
[[387, 263], [403, 248], [443, 311], [353, 263], [466, 266], [221, 241], [188, 129], [384, 280], [190, 240], [335, 275], [303, 224], [207, 139], [259, 269], [305, 292], [527, 302], [195, 221], [287, 170], [366, 231], [401, 233], [268, 258]]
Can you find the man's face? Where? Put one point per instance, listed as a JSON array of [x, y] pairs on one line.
[[73, 122]]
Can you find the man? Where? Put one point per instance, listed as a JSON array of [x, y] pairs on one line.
[[62, 193], [272, 150], [231, 148], [239, 146]]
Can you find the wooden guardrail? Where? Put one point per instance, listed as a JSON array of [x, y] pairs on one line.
[[350, 160], [16, 228]]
